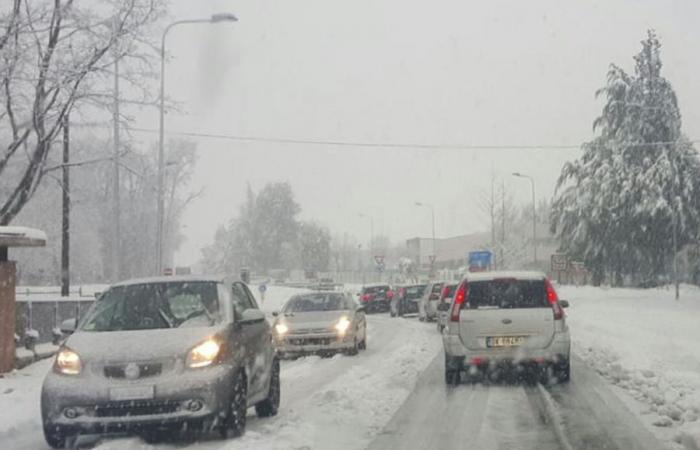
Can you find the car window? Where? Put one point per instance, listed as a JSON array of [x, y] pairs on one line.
[[507, 293], [316, 302], [154, 305], [251, 297], [241, 301]]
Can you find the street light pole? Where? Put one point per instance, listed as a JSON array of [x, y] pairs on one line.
[[534, 214], [216, 18]]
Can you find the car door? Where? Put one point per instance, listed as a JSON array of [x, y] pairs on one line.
[[260, 344], [246, 335]]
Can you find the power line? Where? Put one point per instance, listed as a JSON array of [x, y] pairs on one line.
[[386, 145]]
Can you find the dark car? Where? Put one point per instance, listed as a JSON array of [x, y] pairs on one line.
[[407, 299], [157, 355], [376, 298]]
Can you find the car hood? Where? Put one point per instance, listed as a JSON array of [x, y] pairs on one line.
[[138, 345], [315, 319]]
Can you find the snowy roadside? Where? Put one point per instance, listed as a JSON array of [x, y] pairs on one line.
[[646, 344]]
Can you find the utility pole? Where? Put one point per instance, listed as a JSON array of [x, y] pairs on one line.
[[503, 223], [116, 196], [65, 228]]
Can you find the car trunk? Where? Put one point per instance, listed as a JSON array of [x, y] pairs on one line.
[[505, 313]]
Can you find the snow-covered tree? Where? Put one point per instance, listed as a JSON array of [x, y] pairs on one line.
[[314, 247], [618, 205]]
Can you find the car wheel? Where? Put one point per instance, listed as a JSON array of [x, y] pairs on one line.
[[392, 314], [270, 405], [363, 343], [57, 437], [354, 350], [563, 371], [440, 327], [451, 377], [233, 424]]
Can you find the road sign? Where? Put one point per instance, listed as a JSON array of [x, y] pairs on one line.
[[559, 262], [168, 271], [379, 259], [479, 260], [431, 258], [578, 266]]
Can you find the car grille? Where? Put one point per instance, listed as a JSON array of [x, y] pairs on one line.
[[311, 331], [145, 370], [136, 408], [309, 341]]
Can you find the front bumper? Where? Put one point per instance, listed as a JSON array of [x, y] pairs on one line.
[[314, 343], [187, 396]]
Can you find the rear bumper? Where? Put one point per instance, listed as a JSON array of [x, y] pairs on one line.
[[558, 350]]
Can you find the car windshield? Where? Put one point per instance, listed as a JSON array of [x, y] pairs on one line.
[[316, 303], [507, 294], [415, 291], [154, 305]]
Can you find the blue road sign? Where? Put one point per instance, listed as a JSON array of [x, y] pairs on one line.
[[479, 260]]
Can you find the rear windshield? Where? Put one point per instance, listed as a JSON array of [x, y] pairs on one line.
[[376, 290], [316, 302], [507, 293], [415, 291], [155, 305]]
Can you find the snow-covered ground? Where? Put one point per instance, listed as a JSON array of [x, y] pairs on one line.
[[648, 345], [340, 402]]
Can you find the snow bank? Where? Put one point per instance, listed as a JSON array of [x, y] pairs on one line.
[[646, 343]]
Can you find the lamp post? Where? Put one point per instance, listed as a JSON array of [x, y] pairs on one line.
[[534, 214], [432, 213], [215, 18]]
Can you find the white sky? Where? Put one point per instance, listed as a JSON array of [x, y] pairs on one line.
[[430, 71]]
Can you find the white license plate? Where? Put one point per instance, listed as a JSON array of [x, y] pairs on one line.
[[131, 393], [504, 341]]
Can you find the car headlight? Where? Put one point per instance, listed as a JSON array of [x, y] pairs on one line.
[[68, 362], [281, 329], [342, 325], [203, 354]]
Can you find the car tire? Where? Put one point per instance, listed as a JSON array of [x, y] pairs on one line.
[[57, 437], [440, 327], [392, 314], [234, 421], [271, 404], [354, 350], [563, 371], [363, 344], [452, 376]]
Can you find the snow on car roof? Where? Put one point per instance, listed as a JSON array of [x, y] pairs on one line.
[[172, 279], [520, 275]]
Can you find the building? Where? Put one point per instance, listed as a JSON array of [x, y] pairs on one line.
[[450, 253]]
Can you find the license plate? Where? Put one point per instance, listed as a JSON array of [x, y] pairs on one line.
[[504, 341], [131, 393]]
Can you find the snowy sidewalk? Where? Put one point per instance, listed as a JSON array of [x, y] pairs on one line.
[[648, 345]]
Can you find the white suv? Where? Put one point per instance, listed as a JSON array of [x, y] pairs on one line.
[[506, 319]]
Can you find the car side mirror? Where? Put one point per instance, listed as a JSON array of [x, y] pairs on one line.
[[564, 303], [275, 313], [68, 326], [443, 307], [250, 316]]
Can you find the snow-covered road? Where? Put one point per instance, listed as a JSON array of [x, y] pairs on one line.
[[393, 395]]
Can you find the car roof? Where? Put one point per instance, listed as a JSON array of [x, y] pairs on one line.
[[519, 275], [372, 285], [173, 279]]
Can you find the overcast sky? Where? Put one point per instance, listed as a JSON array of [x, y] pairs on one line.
[[430, 71]]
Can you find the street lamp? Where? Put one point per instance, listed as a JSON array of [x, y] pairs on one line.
[[215, 18], [432, 212], [534, 214]]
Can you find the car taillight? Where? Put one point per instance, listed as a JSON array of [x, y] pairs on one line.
[[389, 294], [445, 292], [460, 297], [402, 292], [365, 298], [553, 300]]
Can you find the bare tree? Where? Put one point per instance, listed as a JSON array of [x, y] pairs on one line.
[[50, 51]]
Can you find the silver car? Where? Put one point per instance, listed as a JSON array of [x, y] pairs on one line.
[[320, 322], [162, 354], [506, 319], [429, 302]]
